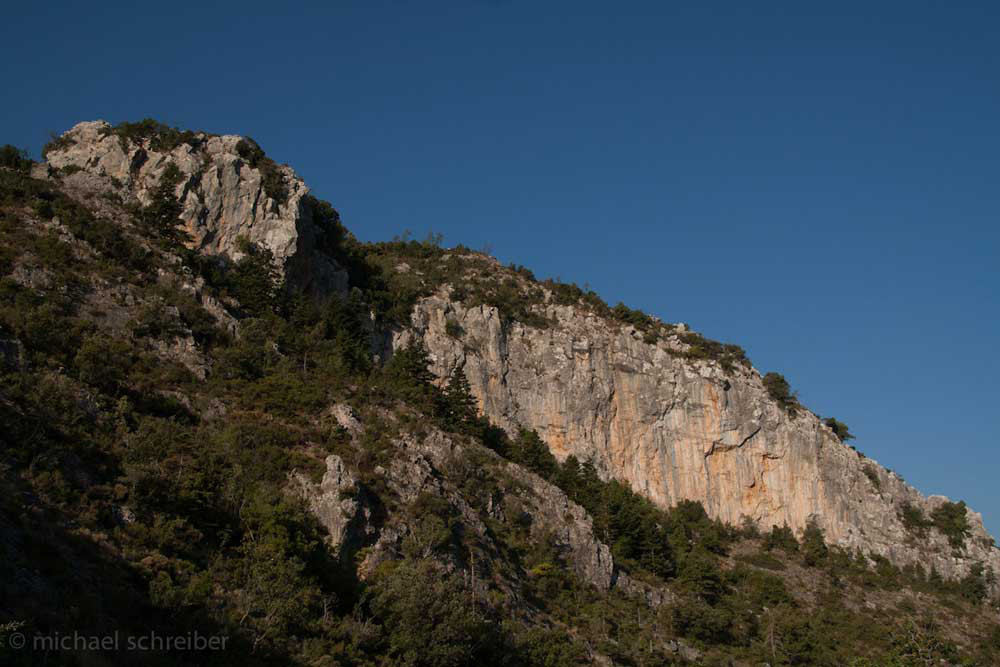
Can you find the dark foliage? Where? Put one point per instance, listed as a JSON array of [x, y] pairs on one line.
[[781, 392], [914, 520], [839, 429], [14, 159], [162, 138], [952, 521], [272, 179]]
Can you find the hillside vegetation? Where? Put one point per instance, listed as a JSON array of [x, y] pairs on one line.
[[162, 408]]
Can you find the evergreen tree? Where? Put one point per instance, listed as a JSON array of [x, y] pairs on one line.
[[162, 216], [459, 405], [411, 363], [814, 549], [254, 280], [410, 378], [530, 451]]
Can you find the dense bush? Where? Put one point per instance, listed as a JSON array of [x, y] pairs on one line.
[[814, 549], [727, 354], [116, 250], [14, 159], [839, 429], [781, 537], [272, 178], [161, 217], [781, 392], [913, 519], [254, 280], [429, 620], [162, 138], [872, 475], [952, 521], [56, 142]]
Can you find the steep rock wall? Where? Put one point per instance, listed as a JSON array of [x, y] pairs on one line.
[[222, 195], [676, 429]]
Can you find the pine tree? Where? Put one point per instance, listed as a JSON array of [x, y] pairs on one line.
[[411, 364], [459, 404], [814, 549], [410, 378], [162, 216]]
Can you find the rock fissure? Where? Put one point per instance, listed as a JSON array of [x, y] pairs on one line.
[[719, 446]]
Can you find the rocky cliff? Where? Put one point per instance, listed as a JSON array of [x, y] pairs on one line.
[[429, 466], [212, 452], [227, 188], [676, 428], [670, 426]]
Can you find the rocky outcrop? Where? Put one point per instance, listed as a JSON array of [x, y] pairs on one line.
[[223, 196], [431, 464], [335, 503], [679, 429]]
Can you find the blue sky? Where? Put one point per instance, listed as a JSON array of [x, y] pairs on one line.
[[819, 185]]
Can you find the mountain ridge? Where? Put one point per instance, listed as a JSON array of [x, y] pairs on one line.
[[396, 453], [225, 197]]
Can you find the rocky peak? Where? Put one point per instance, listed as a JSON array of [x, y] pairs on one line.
[[228, 188]]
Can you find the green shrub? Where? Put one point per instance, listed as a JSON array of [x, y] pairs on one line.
[[427, 619], [104, 363], [162, 138], [161, 217], [781, 537], [814, 549], [727, 354], [952, 521], [762, 560], [839, 429], [14, 159], [453, 329], [872, 476], [458, 406], [254, 281], [975, 586], [781, 392], [637, 319], [529, 450], [272, 178], [913, 519], [56, 143]]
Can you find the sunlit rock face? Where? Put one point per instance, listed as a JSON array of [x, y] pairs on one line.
[[223, 196], [676, 429]]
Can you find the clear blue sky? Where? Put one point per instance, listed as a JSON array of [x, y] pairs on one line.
[[819, 185]]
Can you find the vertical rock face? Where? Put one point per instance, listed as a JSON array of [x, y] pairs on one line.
[[676, 429], [223, 196]]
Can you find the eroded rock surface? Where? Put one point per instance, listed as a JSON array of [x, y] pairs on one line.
[[223, 196], [432, 464], [679, 429]]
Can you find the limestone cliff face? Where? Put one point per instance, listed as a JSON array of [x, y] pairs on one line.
[[676, 429], [223, 196]]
